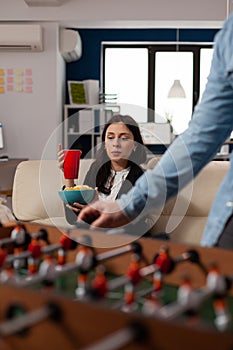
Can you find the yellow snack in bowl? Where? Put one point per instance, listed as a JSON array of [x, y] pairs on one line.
[[78, 188]]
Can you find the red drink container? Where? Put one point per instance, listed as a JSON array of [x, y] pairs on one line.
[[71, 163]]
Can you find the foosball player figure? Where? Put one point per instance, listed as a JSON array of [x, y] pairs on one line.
[[215, 281], [151, 305], [133, 271], [21, 239], [163, 260], [99, 283], [129, 298], [3, 255], [222, 315], [185, 292], [157, 284], [133, 274], [186, 297], [7, 273], [20, 236], [34, 260], [66, 244], [47, 269], [43, 237], [85, 260]]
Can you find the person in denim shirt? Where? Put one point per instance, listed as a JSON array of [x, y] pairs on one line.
[[210, 126]]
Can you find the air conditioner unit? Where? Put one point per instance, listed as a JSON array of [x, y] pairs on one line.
[[21, 37], [45, 2], [70, 45]]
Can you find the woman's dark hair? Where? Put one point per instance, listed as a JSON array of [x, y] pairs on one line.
[[102, 165]]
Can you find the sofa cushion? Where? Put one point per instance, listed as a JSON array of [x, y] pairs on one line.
[[184, 217], [35, 190]]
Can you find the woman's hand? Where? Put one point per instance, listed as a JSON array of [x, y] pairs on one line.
[[60, 157], [76, 207]]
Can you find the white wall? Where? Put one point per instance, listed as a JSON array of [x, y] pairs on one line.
[[127, 12], [30, 118]]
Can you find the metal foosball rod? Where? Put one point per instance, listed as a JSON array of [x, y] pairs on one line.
[[190, 255], [134, 332], [25, 321], [61, 270]]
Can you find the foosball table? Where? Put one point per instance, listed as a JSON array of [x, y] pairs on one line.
[[88, 290]]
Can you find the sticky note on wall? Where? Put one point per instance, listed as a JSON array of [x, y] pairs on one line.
[[19, 88], [28, 89]]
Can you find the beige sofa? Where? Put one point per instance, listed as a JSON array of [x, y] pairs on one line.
[[35, 198]]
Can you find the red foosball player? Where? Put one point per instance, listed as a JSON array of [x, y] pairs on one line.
[[163, 260], [157, 283], [99, 283], [67, 244], [129, 298], [133, 272], [3, 255], [34, 260], [134, 276]]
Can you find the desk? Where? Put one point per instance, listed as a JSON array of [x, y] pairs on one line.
[[7, 173]]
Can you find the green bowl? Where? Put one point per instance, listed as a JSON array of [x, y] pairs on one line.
[[80, 196]]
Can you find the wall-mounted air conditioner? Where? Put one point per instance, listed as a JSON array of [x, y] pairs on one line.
[[21, 37], [45, 2], [70, 45]]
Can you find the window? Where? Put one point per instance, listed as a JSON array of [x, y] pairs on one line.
[[205, 62], [126, 74], [142, 75], [170, 67]]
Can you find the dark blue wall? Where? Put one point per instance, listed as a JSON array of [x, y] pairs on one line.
[[88, 67]]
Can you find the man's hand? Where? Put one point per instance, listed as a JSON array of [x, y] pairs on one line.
[[106, 214]]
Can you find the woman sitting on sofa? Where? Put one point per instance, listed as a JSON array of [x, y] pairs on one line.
[[117, 165]]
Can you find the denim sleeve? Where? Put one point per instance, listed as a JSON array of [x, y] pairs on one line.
[[211, 124]]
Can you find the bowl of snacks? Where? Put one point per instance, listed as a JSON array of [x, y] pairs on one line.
[[82, 194]]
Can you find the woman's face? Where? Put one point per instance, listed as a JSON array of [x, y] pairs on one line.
[[119, 142]]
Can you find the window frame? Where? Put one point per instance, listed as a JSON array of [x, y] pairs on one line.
[[154, 47]]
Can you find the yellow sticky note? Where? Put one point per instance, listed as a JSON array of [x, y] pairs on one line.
[[19, 80], [2, 89], [2, 71], [19, 72], [2, 81], [19, 88]]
